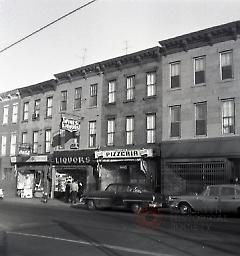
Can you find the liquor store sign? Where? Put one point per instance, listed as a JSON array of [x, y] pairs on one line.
[[70, 124]]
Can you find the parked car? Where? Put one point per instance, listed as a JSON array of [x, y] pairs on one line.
[[127, 196], [214, 199], [1, 193]]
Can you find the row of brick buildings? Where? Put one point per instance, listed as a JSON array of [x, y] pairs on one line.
[[167, 117]]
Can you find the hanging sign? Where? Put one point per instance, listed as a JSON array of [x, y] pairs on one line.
[[70, 124]]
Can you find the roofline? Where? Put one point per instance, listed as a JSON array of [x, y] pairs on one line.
[[205, 37], [113, 63]]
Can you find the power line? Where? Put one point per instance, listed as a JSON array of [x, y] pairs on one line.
[[48, 25]]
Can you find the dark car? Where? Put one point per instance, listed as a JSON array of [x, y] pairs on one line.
[[126, 196], [214, 199]]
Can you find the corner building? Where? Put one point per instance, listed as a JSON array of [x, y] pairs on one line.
[[131, 120], [201, 109]]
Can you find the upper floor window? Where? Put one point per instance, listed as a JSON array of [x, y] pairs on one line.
[[15, 113], [25, 111], [201, 118], [92, 134], [4, 145], [93, 95], [5, 114], [112, 91], [175, 129], [129, 130], [47, 140], [78, 98], [151, 128], [130, 84], [36, 113], [228, 116], [13, 144], [175, 75], [226, 65], [199, 70], [24, 137], [35, 142], [63, 103], [110, 131], [49, 106], [151, 84]]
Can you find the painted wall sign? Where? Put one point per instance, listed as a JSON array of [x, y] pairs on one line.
[[70, 124], [24, 149]]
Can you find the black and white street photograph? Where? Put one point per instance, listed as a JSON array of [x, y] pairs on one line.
[[119, 127]]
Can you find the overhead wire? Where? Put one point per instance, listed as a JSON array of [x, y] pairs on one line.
[[48, 25]]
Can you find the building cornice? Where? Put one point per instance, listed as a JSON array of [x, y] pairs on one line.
[[10, 95], [110, 64], [42, 87], [206, 37]]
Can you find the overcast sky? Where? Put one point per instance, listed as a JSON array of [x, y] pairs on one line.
[[101, 28]]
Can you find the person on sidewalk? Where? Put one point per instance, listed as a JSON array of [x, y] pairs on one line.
[[67, 192], [74, 191]]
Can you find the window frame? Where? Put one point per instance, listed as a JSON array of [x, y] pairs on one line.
[[63, 101], [228, 117], [151, 87], [49, 107], [111, 133], [129, 129], [93, 95], [35, 142], [151, 131], [47, 140], [26, 111], [5, 114], [92, 134], [176, 122], [78, 98], [221, 65], [130, 87], [196, 105], [112, 92], [203, 70], [3, 145], [13, 144], [15, 113], [179, 75]]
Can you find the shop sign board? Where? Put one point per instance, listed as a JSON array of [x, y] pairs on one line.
[[24, 149], [70, 124], [124, 153], [42, 158]]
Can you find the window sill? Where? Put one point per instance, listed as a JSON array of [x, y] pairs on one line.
[[150, 97], [199, 85], [128, 101], [48, 117], [110, 104], [24, 121], [226, 80]]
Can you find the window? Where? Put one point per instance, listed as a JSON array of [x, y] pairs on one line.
[[130, 84], [15, 113], [24, 137], [201, 118], [25, 111], [228, 191], [92, 134], [4, 145], [175, 130], [228, 116], [63, 103], [13, 144], [151, 84], [226, 65], [93, 95], [110, 132], [112, 91], [5, 114], [35, 142], [129, 130], [78, 98], [213, 191], [199, 70], [47, 141], [151, 128], [175, 75], [36, 113], [49, 107]]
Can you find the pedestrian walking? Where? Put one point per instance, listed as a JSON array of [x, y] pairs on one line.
[[80, 190], [67, 192], [74, 191]]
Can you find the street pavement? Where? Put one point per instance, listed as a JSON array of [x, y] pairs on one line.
[[30, 227]]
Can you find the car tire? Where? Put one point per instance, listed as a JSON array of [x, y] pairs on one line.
[[185, 208], [91, 205], [136, 208]]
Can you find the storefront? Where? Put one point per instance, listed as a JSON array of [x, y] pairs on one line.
[[33, 174], [189, 166], [70, 165], [127, 166]]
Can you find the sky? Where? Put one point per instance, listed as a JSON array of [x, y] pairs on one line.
[[98, 32]]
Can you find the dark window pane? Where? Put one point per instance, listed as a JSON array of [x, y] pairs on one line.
[[175, 129], [227, 72], [201, 127], [175, 81], [199, 77]]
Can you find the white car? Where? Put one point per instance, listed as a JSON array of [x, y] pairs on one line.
[[214, 199], [1, 193]]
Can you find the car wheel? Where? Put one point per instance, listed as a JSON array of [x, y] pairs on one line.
[[185, 208], [136, 208], [91, 205]]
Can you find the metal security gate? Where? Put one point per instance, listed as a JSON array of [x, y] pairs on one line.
[[190, 177]]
